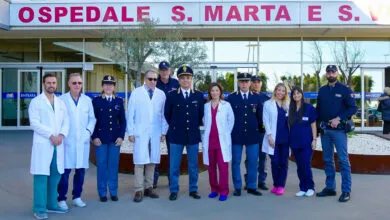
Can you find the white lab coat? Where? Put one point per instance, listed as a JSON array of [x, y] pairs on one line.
[[146, 122], [81, 125], [270, 122], [46, 122], [225, 123]]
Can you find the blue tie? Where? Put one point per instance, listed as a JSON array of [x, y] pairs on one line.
[[245, 98], [186, 94], [150, 93]]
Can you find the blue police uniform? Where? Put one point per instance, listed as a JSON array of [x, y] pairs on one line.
[[301, 137], [279, 160], [335, 101], [173, 84], [262, 156], [246, 131], [184, 116], [110, 125]]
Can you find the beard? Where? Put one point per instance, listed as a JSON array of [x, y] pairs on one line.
[[331, 79], [50, 90]]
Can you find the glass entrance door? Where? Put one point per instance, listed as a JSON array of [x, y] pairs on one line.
[[372, 88], [28, 88], [60, 74]]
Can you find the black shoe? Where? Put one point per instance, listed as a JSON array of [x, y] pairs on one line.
[[173, 196], [155, 186], [114, 198], [138, 196], [345, 197], [195, 195], [103, 199], [254, 192], [262, 186], [237, 192], [326, 192]]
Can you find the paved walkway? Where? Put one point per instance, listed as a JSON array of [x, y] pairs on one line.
[[370, 198]]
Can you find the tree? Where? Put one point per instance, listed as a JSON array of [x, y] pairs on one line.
[[317, 61], [348, 58], [178, 51], [131, 47], [202, 80], [264, 79], [309, 82]]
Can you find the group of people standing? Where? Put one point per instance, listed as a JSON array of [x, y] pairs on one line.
[[166, 109]]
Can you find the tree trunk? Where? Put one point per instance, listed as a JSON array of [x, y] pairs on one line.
[[318, 80], [138, 81]]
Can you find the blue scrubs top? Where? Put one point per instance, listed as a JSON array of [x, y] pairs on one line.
[[300, 132], [282, 132]]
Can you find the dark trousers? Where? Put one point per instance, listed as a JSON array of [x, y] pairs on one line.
[[279, 164], [303, 159], [156, 169], [78, 181]]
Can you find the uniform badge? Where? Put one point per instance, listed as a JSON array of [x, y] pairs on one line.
[[117, 107], [254, 107], [185, 69], [305, 119], [338, 95], [109, 78]]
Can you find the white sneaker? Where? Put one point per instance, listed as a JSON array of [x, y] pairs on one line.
[[78, 202], [62, 204], [309, 193], [300, 193]]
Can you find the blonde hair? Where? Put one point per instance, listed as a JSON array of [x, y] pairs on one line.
[[387, 90], [285, 100]]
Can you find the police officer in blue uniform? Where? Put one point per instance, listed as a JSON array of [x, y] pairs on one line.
[[184, 110], [108, 137], [247, 109], [335, 105], [166, 83], [256, 88]]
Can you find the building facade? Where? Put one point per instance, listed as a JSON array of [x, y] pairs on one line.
[[284, 39]]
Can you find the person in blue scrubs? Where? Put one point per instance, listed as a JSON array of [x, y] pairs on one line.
[[276, 142], [303, 136]]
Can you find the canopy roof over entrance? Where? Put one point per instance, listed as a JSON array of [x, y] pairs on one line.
[[200, 18]]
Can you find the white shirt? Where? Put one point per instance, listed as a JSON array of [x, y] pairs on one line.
[[242, 94], [109, 98], [184, 92]]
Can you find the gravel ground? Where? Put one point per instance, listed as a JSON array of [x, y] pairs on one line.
[[366, 144], [358, 144]]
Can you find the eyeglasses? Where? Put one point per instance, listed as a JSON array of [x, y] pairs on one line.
[[76, 83], [152, 79]]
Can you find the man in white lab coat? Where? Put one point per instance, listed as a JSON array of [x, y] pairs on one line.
[[81, 123], [49, 121], [146, 127]]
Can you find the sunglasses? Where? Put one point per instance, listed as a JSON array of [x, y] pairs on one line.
[[76, 83], [152, 79]]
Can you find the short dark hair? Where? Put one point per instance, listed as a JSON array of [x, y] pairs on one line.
[[220, 89], [48, 75]]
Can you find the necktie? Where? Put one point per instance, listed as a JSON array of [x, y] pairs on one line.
[[186, 93], [245, 98], [150, 93]]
